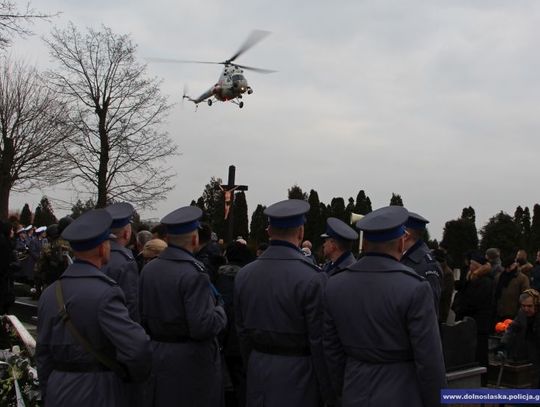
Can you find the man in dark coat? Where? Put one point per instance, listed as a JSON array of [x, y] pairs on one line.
[[475, 300], [418, 256], [279, 317], [87, 301], [381, 336], [337, 245], [122, 267], [183, 318]]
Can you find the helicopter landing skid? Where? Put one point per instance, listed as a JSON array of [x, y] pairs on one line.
[[240, 103]]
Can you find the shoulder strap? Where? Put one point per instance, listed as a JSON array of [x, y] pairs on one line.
[[101, 357]]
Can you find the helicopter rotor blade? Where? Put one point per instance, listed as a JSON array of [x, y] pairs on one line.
[[259, 70], [180, 61], [255, 37]]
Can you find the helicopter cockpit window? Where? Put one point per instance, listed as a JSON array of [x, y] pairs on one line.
[[237, 78]]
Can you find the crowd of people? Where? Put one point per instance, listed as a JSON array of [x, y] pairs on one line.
[[169, 316]]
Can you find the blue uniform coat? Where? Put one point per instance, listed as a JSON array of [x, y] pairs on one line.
[[181, 316], [381, 336], [344, 261], [278, 307], [420, 259], [123, 269], [97, 309]]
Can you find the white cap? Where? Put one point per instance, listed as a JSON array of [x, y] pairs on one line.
[[41, 229]]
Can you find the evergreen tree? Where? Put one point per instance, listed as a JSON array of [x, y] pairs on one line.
[[502, 232], [315, 223], [259, 223], [240, 218], [459, 238], [295, 192], [522, 218], [363, 204], [45, 215], [534, 241], [469, 214], [26, 215], [79, 208], [396, 200], [337, 209], [214, 206], [349, 209]]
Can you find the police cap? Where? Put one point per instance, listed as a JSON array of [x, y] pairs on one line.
[[89, 230], [384, 224], [416, 222], [337, 229], [287, 214], [182, 220], [121, 213]]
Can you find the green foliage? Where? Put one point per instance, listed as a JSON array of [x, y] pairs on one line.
[[459, 238], [522, 218], [44, 215], [26, 215], [396, 200], [259, 223], [534, 241], [315, 224], [213, 205], [16, 367], [295, 192], [469, 214], [363, 203], [502, 232], [337, 209], [79, 208], [240, 217]]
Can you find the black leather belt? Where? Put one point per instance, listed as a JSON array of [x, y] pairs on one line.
[[282, 350], [171, 338], [80, 367]]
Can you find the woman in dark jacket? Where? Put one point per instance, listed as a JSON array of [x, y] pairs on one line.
[[7, 265], [524, 332]]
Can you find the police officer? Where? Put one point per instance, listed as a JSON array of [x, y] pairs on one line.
[[381, 337], [88, 347], [418, 256], [279, 317], [122, 267], [55, 257], [182, 316], [337, 245]]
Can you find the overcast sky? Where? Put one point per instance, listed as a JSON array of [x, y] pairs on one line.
[[434, 100]]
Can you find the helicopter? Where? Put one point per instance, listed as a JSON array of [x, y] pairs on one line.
[[232, 83]]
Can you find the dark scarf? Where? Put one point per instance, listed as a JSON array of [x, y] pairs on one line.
[[504, 281]]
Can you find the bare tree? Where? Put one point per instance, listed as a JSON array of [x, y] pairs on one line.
[[120, 150], [33, 126], [15, 21]]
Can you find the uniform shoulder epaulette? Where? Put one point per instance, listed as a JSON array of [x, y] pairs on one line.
[[198, 265], [410, 272], [124, 252], [429, 258], [311, 264], [109, 280]]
